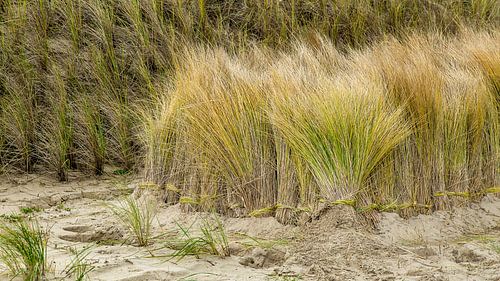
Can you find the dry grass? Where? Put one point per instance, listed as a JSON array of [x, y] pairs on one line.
[[228, 129], [400, 126], [56, 133], [90, 138], [240, 107], [341, 133], [159, 138]]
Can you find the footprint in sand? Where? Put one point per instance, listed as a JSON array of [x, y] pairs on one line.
[[86, 233]]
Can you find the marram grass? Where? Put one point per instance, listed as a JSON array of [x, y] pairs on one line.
[[340, 133], [23, 249], [137, 216], [241, 105], [298, 132], [228, 129]]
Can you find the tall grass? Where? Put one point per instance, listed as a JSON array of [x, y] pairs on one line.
[[447, 109], [341, 134], [407, 126], [239, 106], [57, 130], [228, 129], [417, 87], [487, 57], [159, 139], [19, 112], [286, 181], [122, 50], [90, 136]]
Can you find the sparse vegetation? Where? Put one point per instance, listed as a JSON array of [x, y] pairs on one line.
[[256, 242], [284, 278], [210, 238], [23, 249], [25, 212], [11, 218], [137, 215], [79, 267], [495, 246], [488, 241], [30, 210], [62, 207]]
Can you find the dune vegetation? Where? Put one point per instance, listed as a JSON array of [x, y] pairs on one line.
[[258, 108]]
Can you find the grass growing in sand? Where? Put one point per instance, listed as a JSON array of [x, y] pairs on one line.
[[211, 238], [11, 218], [79, 268], [137, 215], [266, 132], [23, 249], [258, 107], [284, 278], [251, 242], [495, 246], [29, 210]]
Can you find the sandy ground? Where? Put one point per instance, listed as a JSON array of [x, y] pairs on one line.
[[462, 244]]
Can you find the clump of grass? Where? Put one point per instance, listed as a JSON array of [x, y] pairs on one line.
[[61, 207], [487, 57], [30, 210], [342, 134], [12, 218], [115, 103], [56, 133], [159, 139], [418, 89], [107, 66], [121, 139], [442, 99], [23, 249], [19, 123], [211, 239], [137, 216], [228, 129], [90, 136]]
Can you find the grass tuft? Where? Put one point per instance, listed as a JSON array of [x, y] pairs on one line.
[[137, 216], [211, 240], [23, 249], [79, 268]]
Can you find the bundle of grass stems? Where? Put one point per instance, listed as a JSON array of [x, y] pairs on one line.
[[409, 126], [259, 107]]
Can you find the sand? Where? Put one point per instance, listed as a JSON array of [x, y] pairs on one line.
[[460, 244]]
